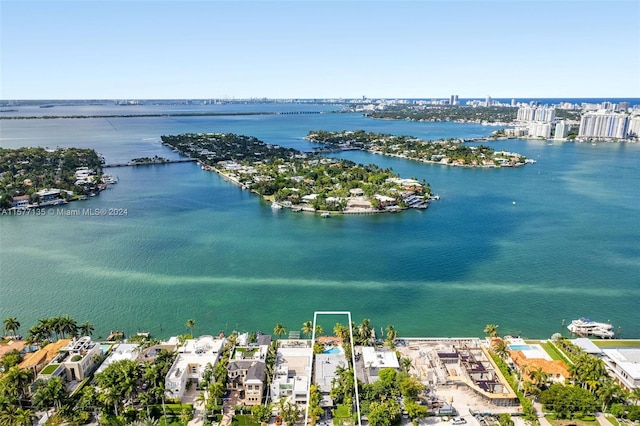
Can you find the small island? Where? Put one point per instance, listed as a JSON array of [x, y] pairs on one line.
[[450, 113], [498, 115], [141, 161], [38, 177], [289, 178], [450, 152]]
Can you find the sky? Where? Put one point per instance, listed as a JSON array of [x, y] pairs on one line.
[[170, 49]]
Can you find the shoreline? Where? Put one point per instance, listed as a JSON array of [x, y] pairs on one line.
[[439, 163], [299, 208], [510, 163]]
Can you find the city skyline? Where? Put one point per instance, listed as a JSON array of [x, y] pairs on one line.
[[318, 49]]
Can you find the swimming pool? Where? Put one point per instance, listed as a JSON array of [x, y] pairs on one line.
[[521, 348], [105, 348], [333, 350]]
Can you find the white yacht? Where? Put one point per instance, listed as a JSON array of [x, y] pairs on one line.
[[588, 327], [276, 206]]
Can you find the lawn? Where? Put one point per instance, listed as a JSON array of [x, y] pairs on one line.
[[617, 343], [49, 369], [555, 353], [565, 422], [340, 414], [244, 420]]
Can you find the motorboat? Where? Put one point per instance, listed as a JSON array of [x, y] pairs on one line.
[[587, 327]]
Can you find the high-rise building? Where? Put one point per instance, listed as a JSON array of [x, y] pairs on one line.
[[633, 130], [562, 130], [539, 129], [603, 124], [534, 113], [453, 100], [487, 101]]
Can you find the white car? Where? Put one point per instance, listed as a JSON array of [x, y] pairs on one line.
[[458, 421]]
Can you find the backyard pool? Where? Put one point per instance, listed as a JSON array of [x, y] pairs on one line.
[[333, 350]]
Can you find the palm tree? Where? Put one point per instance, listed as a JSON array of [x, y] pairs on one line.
[[319, 329], [539, 377], [86, 329], [279, 330], [491, 330], [16, 416], [406, 364], [145, 422], [190, 324], [307, 328], [55, 325], [11, 324], [68, 326], [110, 398], [202, 400], [262, 413], [18, 380], [217, 390], [364, 332], [158, 394], [528, 387], [341, 331], [290, 414], [184, 416], [392, 334], [24, 417], [608, 391], [44, 328], [145, 401], [501, 349], [52, 393]]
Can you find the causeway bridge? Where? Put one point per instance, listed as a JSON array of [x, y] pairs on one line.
[[149, 163]]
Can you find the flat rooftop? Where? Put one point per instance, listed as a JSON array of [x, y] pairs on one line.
[[122, 351]]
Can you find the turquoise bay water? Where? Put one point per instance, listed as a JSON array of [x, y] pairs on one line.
[[523, 248]]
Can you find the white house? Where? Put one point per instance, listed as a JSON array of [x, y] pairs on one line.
[[292, 372], [191, 362]]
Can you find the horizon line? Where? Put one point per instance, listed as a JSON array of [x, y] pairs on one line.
[[310, 98]]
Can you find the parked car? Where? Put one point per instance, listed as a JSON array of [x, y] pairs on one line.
[[458, 421]]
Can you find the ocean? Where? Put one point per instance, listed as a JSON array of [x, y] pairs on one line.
[[528, 249]]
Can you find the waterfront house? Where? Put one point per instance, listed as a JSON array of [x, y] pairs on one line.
[[36, 361], [246, 372], [190, 364], [325, 371], [12, 345], [292, 373], [120, 352], [555, 370], [49, 197], [247, 377], [371, 360], [20, 202], [385, 200], [624, 365], [75, 361], [358, 204]]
